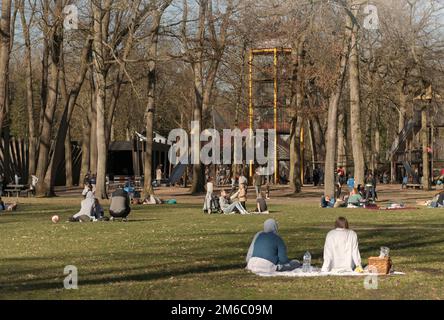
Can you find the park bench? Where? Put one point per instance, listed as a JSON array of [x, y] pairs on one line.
[[414, 186], [12, 190]]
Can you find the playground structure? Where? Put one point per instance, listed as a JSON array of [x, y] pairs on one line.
[[269, 95], [406, 154]]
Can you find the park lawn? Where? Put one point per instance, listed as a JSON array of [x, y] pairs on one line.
[[176, 252]]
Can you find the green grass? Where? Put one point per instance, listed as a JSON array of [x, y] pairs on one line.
[[176, 252]]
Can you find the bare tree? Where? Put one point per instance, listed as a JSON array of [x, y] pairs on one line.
[[5, 43], [55, 37], [355, 97], [101, 18], [204, 73], [29, 83], [332, 131], [151, 104]]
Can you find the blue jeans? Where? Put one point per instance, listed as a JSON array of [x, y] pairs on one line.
[[371, 192], [232, 207]]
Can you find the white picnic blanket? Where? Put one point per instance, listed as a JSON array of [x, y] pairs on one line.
[[298, 273], [264, 268]]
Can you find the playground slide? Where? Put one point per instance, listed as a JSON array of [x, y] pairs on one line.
[[177, 173]]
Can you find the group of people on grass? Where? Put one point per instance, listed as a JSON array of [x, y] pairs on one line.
[[357, 197], [91, 209], [236, 201], [436, 202], [268, 252]]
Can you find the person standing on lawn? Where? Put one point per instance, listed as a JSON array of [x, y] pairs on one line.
[[257, 182], [159, 174]]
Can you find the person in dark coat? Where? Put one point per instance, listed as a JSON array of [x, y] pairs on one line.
[[120, 204]]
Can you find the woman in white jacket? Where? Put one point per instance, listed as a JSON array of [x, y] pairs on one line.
[[341, 251], [209, 196]]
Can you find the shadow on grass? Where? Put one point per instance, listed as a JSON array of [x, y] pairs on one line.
[[42, 284]]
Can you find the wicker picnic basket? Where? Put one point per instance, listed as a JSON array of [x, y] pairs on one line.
[[381, 265]]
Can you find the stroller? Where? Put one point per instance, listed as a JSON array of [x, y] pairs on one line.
[[215, 205]]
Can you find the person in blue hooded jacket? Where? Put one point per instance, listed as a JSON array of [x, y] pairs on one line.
[[268, 251]]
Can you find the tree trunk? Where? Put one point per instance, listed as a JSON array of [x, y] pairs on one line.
[[403, 97], [5, 44], [43, 186], [332, 132], [425, 150], [99, 73], [148, 189], [198, 182], [355, 108], [296, 121], [45, 71], [69, 101], [117, 87], [93, 119], [295, 155], [318, 139], [86, 146], [68, 160], [29, 93], [342, 138], [198, 169]]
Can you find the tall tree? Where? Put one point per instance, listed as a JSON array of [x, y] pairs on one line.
[[5, 43], [101, 15], [332, 129], [55, 36], [297, 119], [151, 104], [69, 99], [355, 98], [204, 67], [29, 84]]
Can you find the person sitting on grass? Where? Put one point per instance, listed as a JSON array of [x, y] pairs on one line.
[[341, 250], [152, 200], [120, 205], [88, 188], [97, 212], [355, 199], [86, 209], [6, 207], [327, 202], [438, 201], [261, 204], [242, 195], [228, 207], [268, 253]]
